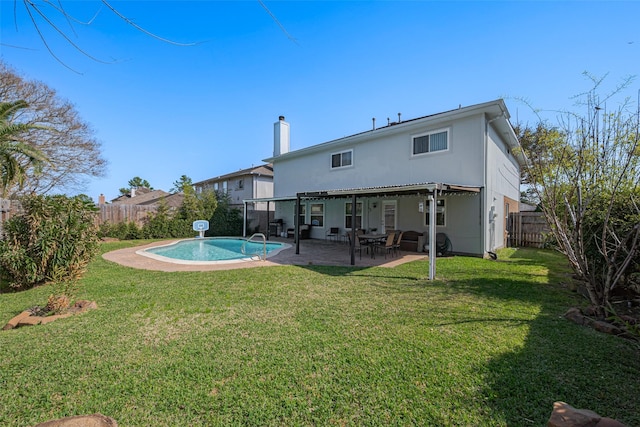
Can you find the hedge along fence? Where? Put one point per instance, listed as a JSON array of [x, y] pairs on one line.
[[527, 229]]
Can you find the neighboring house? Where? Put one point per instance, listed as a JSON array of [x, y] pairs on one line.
[[467, 159], [251, 183]]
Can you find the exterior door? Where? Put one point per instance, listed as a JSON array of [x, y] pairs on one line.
[[389, 217]]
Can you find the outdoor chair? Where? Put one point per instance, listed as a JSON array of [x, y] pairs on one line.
[[396, 243], [387, 244], [443, 244], [333, 233], [358, 247]]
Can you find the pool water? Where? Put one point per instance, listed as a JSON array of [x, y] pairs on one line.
[[211, 249]]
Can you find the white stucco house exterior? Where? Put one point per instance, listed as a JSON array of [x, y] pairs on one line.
[[466, 160]]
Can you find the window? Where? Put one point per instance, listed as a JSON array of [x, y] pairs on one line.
[[240, 184], [317, 214], [341, 160], [225, 187], [440, 213], [430, 142], [215, 187], [303, 214], [347, 215]]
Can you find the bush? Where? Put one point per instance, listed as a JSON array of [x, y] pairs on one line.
[[53, 239]]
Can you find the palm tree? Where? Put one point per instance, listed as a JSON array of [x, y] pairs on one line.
[[16, 155]]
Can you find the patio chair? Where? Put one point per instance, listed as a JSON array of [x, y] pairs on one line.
[[443, 244], [396, 242], [358, 247], [333, 233], [387, 244]]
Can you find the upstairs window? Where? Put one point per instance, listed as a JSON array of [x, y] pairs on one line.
[[431, 142], [341, 160], [240, 184]]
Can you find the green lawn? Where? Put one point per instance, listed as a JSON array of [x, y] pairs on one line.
[[486, 344]]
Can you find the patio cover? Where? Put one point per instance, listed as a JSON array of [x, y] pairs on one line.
[[429, 189]]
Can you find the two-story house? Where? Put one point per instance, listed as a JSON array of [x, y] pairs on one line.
[[255, 182], [460, 166]]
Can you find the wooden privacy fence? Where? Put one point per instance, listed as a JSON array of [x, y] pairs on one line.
[[116, 214], [527, 229]]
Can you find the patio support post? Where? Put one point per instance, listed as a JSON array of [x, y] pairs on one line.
[[432, 235], [296, 226], [244, 222], [269, 222], [352, 249]]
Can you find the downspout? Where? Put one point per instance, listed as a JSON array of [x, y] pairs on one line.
[[296, 225]]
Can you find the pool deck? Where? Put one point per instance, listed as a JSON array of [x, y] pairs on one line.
[[312, 252]]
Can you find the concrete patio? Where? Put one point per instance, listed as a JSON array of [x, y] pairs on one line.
[[312, 252]]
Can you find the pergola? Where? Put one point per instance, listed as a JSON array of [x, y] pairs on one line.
[[429, 190]]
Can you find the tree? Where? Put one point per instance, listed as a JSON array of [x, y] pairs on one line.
[[136, 182], [180, 184], [57, 132], [16, 155], [587, 177], [56, 16]]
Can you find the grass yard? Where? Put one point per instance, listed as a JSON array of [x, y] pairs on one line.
[[484, 345]]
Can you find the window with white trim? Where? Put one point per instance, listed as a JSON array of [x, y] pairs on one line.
[[342, 159], [317, 214], [440, 213], [347, 215], [430, 142], [303, 213]]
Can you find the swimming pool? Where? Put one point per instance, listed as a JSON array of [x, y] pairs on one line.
[[212, 250]]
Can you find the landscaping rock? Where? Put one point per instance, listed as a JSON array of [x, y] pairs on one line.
[[94, 420], [26, 318], [14, 322], [581, 318], [565, 415]]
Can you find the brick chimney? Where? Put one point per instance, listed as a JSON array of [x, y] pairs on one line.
[[101, 200]]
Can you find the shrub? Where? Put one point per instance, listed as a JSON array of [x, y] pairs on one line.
[[53, 239]]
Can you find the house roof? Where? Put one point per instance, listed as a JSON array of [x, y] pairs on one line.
[[261, 170], [495, 111], [150, 197]]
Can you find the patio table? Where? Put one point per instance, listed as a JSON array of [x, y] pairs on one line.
[[372, 240]]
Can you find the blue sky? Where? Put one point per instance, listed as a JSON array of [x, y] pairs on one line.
[[161, 110]]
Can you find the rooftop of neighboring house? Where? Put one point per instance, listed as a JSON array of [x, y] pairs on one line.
[[262, 170], [145, 196]]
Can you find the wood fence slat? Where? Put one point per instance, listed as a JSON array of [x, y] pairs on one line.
[[527, 229]]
